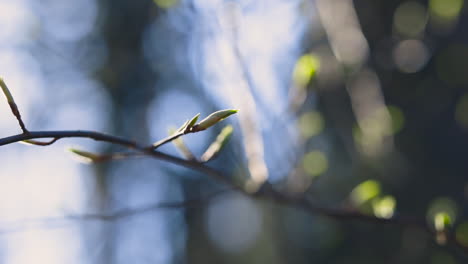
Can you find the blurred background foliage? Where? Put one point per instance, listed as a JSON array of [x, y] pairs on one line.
[[355, 104]]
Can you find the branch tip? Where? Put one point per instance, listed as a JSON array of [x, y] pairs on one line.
[[13, 106], [213, 119]]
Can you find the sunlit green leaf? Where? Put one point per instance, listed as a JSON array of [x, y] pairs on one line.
[[305, 69], [365, 191], [447, 9]]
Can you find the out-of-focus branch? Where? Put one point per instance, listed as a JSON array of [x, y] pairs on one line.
[[125, 213], [19, 226], [350, 47], [243, 96]]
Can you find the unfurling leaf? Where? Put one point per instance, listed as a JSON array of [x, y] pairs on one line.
[[213, 119], [218, 144]]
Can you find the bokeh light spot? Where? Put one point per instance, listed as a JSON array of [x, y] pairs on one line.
[[441, 221], [165, 3], [365, 191], [442, 205], [410, 55], [305, 69], [315, 163], [410, 18], [233, 223], [384, 207], [398, 118], [446, 9], [369, 135], [311, 124]]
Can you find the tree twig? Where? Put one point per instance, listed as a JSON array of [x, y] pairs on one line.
[[12, 104], [219, 176], [40, 143], [167, 140]]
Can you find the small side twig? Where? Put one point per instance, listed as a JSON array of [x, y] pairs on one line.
[[40, 143], [168, 139], [13, 106]]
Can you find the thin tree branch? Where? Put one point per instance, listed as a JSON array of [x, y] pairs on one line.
[[69, 134], [125, 143], [16, 113], [117, 156], [167, 140]]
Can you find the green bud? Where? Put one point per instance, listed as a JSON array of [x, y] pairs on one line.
[[213, 119], [6, 91]]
